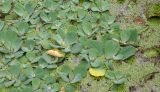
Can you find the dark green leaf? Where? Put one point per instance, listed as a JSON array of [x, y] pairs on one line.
[[71, 36], [111, 48], [10, 41], [125, 52], [76, 48], [81, 68], [129, 35]]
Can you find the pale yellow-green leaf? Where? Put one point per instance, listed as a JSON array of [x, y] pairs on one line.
[[96, 72]]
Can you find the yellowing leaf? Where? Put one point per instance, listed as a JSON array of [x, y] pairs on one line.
[[62, 89], [55, 52], [97, 72]]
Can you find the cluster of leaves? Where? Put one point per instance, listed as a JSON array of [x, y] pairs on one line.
[[37, 36]]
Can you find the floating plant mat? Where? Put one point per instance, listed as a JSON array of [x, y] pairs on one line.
[[38, 38]]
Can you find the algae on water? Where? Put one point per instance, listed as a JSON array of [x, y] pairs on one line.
[[153, 9], [151, 37]]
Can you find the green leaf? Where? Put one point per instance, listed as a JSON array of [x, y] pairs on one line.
[[125, 52], [95, 8], [66, 69], [117, 77], [96, 63], [51, 5], [29, 7], [100, 5], [81, 68], [111, 48], [45, 17], [32, 57], [70, 88], [87, 27], [19, 9], [64, 76], [1, 25], [56, 86], [81, 13], [93, 53], [28, 45], [6, 6], [96, 16], [76, 1], [77, 78], [106, 17], [49, 79], [94, 46], [40, 72], [71, 15], [71, 36], [58, 39], [47, 58], [56, 24], [116, 27], [10, 41], [129, 35], [42, 63], [65, 72], [28, 81], [15, 70], [29, 72], [18, 54], [9, 83], [105, 5], [46, 44], [36, 83], [76, 48], [86, 5], [22, 27]]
